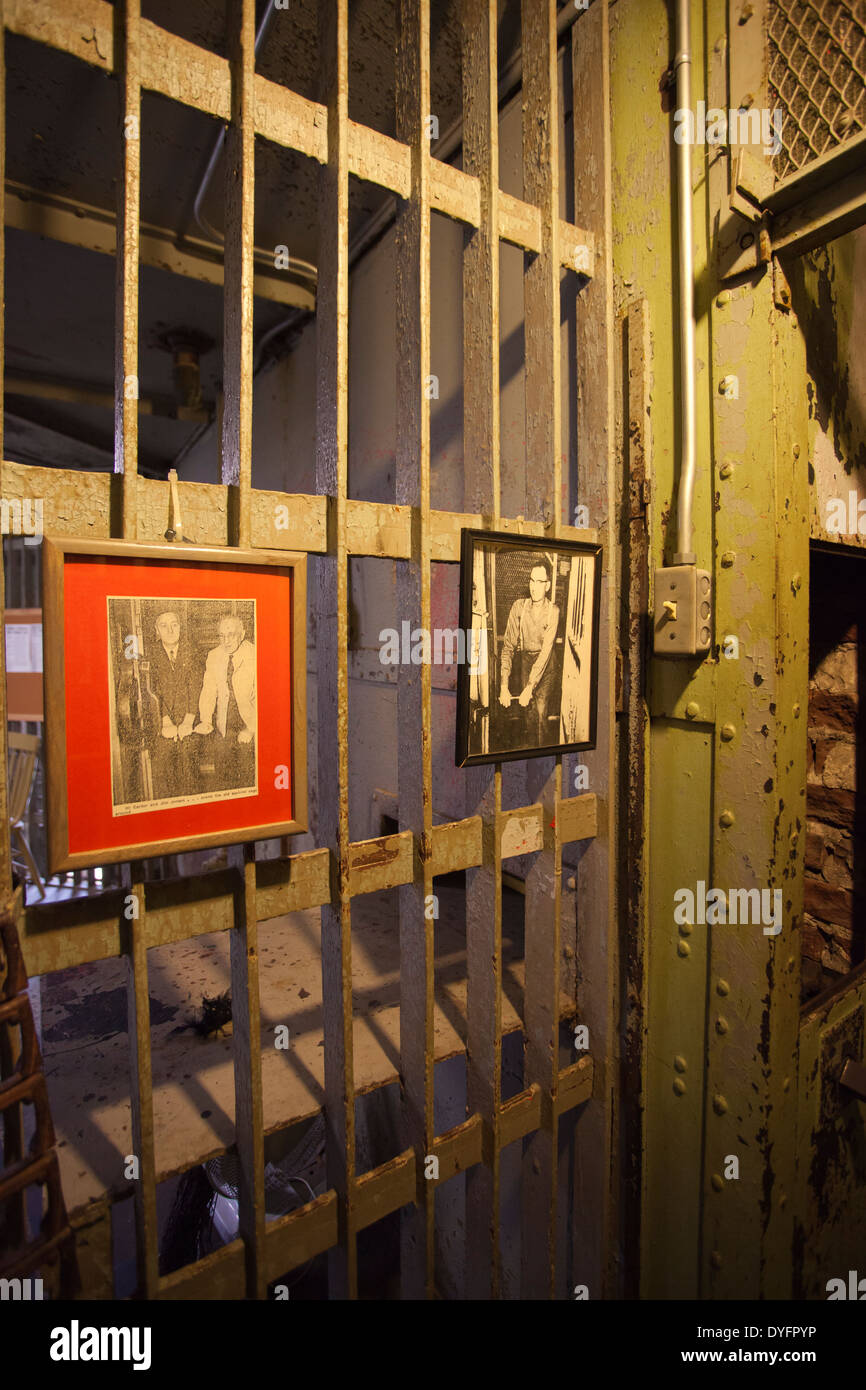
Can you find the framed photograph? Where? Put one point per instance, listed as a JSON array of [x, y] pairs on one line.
[[175, 698], [529, 611]]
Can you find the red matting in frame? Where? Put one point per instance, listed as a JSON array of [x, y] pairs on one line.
[[87, 582]]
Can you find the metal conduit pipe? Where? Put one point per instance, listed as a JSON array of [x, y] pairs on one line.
[[686, 269]]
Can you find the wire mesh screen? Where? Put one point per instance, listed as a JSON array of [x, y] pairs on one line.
[[817, 70]]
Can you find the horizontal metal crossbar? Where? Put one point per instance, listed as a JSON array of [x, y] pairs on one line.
[[79, 504], [76, 932], [821, 201], [196, 77], [292, 1240]]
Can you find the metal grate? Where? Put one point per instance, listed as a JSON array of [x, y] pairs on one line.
[[817, 76]]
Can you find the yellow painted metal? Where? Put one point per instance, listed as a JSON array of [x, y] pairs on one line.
[[829, 1202], [679, 775], [721, 999], [680, 763]]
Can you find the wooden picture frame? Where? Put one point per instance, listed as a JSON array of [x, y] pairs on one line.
[[519, 617], [123, 781]]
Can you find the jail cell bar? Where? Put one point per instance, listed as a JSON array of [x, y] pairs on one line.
[[333, 526]]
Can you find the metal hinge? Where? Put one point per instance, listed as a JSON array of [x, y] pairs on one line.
[[639, 500], [781, 288], [620, 684]]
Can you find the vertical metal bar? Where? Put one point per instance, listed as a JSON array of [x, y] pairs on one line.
[[237, 474], [13, 1228], [483, 784], [126, 385], [632, 788], [332, 339], [237, 419], [414, 758], [543, 501], [5, 848], [126, 393], [598, 488], [247, 1058], [141, 1081]]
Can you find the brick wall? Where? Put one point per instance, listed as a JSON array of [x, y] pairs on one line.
[[833, 925]]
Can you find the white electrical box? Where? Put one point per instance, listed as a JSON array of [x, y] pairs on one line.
[[682, 617]]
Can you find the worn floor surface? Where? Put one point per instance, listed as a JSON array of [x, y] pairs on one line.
[[86, 1051]]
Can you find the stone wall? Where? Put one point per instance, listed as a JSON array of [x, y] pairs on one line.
[[833, 927]]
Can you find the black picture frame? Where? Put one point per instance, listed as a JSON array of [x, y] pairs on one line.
[[491, 732]]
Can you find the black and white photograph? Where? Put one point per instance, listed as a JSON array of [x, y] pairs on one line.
[[182, 686], [529, 685]]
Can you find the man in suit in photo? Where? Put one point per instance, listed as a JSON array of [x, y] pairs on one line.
[[175, 678], [227, 707]]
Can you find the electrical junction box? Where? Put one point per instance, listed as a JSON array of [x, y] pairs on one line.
[[682, 624]]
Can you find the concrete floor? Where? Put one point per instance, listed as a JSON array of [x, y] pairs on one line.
[[85, 1042]]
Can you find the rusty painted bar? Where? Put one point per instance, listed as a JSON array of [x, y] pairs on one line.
[[93, 1249], [78, 504], [459, 1148], [577, 818], [126, 393], [332, 338], [126, 386], [386, 1188], [543, 501], [247, 1060], [141, 1083], [483, 784], [5, 852], [220, 1275], [302, 1234], [238, 299], [414, 757], [414, 535], [58, 935], [236, 465], [520, 1115], [574, 1085], [598, 490], [457, 845], [632, 868], [382, 863], [199, 78], [290, 885]]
